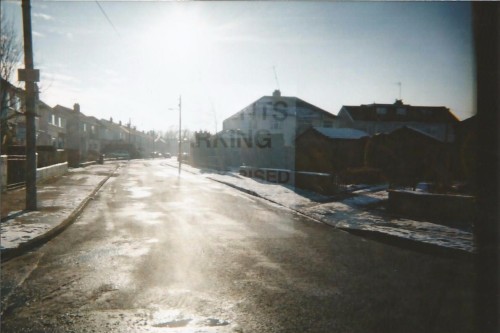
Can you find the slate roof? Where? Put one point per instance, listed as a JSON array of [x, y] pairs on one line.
[[394, 112], [341, 133]]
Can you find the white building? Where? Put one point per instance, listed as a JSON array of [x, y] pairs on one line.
[[278, 114]]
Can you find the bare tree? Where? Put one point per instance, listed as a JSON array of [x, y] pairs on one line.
[[10, 48], [10, 56]]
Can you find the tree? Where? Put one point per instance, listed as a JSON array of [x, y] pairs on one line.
[[10, 55], [10, 48]]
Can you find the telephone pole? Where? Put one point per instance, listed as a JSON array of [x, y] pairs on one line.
[[30, 76], [180, 134]]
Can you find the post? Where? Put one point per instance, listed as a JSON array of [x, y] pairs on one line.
[[180, 134], [30, 76]]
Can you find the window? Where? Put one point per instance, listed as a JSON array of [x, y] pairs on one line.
[[84, 127], [60, 122], [53, 119], [401, 111], [17, 103], [381, 111]]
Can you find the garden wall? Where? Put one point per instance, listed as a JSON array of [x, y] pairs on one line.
[[453, 210]]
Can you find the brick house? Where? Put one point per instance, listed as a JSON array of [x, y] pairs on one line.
[[436, 121]]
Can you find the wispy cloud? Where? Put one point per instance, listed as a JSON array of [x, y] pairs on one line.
[[60, 77], [43, 16], [38, 34]]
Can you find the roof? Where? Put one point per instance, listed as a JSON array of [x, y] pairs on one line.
[[400, 112], [414, 130], [341, 133], [298, 103]]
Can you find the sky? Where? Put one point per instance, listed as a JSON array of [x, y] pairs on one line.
[[132, 60]]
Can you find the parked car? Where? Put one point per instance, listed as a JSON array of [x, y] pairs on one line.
[[167, 155], [156, 154], [121, 155], [183, 156]]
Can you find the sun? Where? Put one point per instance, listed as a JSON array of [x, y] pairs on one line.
[[187, 34]]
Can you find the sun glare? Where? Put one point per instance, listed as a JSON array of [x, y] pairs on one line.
[[187, 35]]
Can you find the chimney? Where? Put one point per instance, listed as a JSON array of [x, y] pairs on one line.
[[277, 93], [120, 123], [398, 102], [76, 107], [111, 119]]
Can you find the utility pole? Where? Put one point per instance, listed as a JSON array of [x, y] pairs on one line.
[[30, 76], [180, 134]]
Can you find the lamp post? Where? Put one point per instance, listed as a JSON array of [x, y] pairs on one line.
[[179, 155], [180, 133]]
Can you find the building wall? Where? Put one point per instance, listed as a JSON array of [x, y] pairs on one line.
[[269, 114], [278, 115], [317, 153]]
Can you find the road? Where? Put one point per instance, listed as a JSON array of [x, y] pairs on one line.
[[155, 252]]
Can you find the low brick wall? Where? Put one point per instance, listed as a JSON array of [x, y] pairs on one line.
[[3, 172], [51, 171], [86, 164], [453, 210], [322, 183]]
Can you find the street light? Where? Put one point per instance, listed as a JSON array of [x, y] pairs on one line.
[[179, 156]]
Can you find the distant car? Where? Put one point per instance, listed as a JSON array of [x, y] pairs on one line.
[[121, 155], [185, 157], [167, 155], [156, 154]]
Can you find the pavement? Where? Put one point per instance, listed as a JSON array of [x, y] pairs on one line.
[[62, 199], [59, 201]]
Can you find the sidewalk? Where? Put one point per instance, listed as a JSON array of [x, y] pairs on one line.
[[59, 202]]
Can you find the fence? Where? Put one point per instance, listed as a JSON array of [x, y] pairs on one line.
[[13, 171]]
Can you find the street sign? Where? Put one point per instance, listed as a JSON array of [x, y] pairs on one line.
[[28, 75]]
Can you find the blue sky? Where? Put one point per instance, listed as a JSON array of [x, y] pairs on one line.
[[220, 56]]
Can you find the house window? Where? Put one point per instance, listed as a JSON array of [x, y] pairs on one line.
[[381, 111], [53, 119], [401, 111], [7, 100], [17, 103], [84, 127], [60, 122]]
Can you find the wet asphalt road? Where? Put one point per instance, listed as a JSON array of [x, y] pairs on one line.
[[158, 253]]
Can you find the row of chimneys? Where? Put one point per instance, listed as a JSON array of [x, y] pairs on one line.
[[76, 108]]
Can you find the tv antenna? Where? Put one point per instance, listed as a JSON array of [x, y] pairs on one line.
[[400, 88], [276, 78]]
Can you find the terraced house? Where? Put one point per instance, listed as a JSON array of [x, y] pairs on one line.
[[436, 121]]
